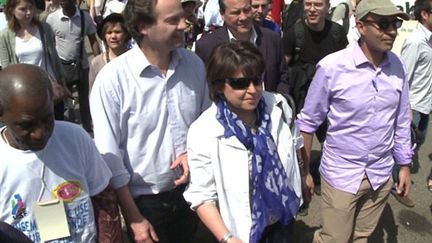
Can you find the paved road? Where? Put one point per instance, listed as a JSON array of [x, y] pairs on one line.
[[398, 224]]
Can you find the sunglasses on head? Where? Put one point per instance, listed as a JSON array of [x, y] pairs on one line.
[[384, 24], [243, 83]]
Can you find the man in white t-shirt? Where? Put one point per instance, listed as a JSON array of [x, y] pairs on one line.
[[45, 161]]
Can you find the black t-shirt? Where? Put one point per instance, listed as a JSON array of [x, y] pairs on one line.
[[316, 45]]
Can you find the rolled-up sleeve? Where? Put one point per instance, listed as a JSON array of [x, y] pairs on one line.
[[316, 104], [105, 111], [202, 186], [402, 149]]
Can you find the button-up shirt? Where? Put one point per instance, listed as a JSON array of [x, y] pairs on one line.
[[141, 117], [368, 115], [252, 38], [68, 38], [417, 55]]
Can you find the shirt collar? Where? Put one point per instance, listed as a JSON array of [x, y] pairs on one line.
[[252, 39], [139, 63], [360, 58], [427, 33], [63, 16]]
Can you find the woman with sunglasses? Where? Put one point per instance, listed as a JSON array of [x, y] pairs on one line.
[[244, 177]]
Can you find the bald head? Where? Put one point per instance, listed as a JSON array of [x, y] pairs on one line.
[[23, 80]]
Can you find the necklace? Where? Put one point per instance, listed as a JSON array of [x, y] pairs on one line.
[[107, 56], [42, 172], [4, 136]]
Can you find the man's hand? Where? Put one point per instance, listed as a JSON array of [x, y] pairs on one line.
[[60, 91], [403, 188], [143, 232], [309, 188], [181, 164]]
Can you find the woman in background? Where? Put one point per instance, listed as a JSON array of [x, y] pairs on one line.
[[113, 33], [244, 177], [27, 40], [194, 26]]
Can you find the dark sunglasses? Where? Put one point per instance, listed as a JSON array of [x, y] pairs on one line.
[[243, 83], [384, 24]]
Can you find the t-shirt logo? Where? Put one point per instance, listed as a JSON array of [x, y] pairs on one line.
[[18, 207], [68, 190]]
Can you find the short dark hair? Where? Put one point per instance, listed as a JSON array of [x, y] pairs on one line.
[[10, 17], [113, 18], [230, 58], [136, 12], [222, 6], [419, 6], [34, 81]]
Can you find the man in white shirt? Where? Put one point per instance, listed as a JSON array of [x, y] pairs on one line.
[[67, 24], [417, 54], [142, 104], [212, 17], [46, 162]]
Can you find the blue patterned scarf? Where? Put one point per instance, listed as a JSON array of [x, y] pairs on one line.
[[272, 199]]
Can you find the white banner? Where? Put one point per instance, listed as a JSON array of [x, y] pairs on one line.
[[405, 5]]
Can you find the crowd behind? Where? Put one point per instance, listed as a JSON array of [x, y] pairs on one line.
[[197, 118]]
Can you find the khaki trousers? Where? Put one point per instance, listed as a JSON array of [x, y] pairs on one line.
[[350, 217]]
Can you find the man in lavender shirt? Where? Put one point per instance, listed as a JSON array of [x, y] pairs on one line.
[[363, 92]]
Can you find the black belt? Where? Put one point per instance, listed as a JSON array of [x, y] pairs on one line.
[[164, 196], [73, 62]]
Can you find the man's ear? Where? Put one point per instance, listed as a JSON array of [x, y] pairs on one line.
[[424, 15], [142, 28], [222, 14], [360, 27]]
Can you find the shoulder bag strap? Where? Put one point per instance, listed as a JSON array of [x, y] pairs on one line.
[[82, 36], [299, 33], [103, 8], [42, 35]]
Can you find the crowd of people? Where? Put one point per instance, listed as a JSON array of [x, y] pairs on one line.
[[197, 118]]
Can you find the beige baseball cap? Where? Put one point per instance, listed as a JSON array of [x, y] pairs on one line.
[[379, 7]]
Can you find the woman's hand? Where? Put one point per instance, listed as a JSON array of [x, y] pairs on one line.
[[235, 240]]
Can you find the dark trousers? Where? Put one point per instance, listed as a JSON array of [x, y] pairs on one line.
[[278, 233], [59, 111], [83, 99], [170, 215], [320, 133]]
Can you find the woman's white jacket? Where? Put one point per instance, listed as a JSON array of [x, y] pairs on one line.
[[219, 167]]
